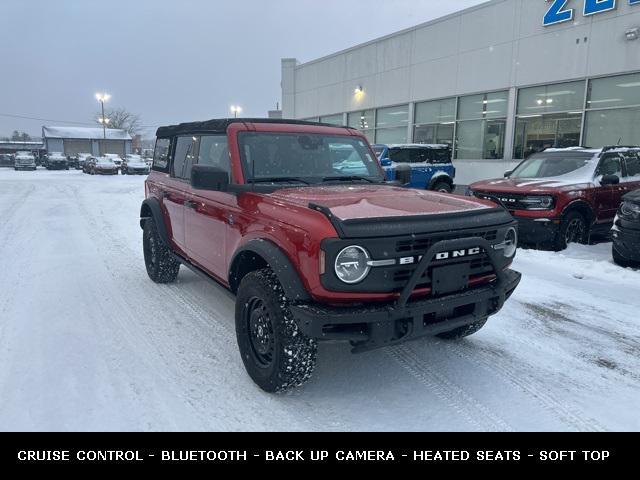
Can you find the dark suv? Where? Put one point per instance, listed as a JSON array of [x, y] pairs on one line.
[[626, 231], [264, 208], [563, 196]]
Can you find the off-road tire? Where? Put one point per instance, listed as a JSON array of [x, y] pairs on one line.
[[568, 222], [462, 332], [161, 266], [442, 187], [620, 260], [292, 358]]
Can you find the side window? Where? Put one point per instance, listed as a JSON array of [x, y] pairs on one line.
[[161, 155], [611, 165], [418, 155], [633, 166], [214, 152], [399, 155], [183, 157], [441, 156]]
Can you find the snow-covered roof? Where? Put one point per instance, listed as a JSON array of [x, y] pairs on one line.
[[84, 133], [413, 145]]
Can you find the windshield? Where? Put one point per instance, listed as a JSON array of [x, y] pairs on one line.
[[306, 158], [549, 165], [378, 150]]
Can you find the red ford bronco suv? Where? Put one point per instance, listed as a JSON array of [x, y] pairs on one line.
[[316, 250], [563, 196]]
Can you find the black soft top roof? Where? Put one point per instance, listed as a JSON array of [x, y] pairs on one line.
[[220, 125]]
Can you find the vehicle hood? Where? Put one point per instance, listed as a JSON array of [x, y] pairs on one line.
[[378, 201], [137, 165], [528, 185]]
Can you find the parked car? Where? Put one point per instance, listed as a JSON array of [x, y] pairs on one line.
[[313, 254], [563, 196], [6, 160], [56, 161], [115, 158], [101, 166], [134, 165], [82, 159], [427, 167], [626, 231], [25, 161]]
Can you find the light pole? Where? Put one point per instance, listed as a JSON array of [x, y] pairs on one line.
[[103, 97], [235, 109]]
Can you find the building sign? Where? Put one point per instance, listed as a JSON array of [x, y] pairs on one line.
[[559, 10]]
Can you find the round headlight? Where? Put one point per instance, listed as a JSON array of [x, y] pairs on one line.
[[510, 243], [351, 264]]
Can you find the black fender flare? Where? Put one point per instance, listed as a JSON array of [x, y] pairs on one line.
[[276, 259], [151, 209], [580, 206], [440, 178]]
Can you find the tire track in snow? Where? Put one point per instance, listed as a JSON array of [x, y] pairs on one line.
[[528, 384], [459, 400]]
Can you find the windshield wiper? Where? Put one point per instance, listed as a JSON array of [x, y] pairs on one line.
[[278, 180], [349, 178]]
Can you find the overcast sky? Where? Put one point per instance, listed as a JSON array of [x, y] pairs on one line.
[[174, 60]]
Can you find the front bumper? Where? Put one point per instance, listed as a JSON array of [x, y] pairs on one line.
[[99, 171], [537, 231], [626, 242], [379, 325]]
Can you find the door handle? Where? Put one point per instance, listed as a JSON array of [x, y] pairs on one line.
[[190, 204]]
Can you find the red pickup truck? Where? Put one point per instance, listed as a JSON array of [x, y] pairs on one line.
[[316, 244], [563, 196]]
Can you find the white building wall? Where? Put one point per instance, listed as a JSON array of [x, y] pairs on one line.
[[494, 46]]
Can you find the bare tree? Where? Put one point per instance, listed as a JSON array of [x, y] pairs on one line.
[[123, 119]]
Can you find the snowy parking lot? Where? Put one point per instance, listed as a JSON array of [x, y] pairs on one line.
[[88, 342]]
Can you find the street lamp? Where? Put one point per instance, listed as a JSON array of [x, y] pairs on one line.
[[103, 97], [236, 110]]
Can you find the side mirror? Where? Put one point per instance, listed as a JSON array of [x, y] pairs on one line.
[[610, 180], [508, 174], [385, 162], [205, 177]]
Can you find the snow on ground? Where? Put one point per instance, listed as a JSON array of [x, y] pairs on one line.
[[88, 342]]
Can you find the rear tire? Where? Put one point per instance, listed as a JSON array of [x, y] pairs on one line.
[[442, 187], [275, 353], [158, 258], [462, 332]]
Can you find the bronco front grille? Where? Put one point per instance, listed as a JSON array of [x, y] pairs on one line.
[[421, 243]]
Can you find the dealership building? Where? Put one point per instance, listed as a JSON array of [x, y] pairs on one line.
[[497, 82]]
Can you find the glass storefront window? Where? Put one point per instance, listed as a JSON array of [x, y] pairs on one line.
[[363, 120], [621, 91], [612, 127], [391, 135], [436, 112], [392, 117], [489, 105], [480, 139], [551, 98], [538, 132], [332, 119], [434, 134]]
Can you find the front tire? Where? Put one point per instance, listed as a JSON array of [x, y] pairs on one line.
[[275, 353], [158, 258], [620, 260], [463, 332], [573, 229]]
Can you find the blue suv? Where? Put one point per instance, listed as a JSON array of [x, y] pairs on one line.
[[427, 167]]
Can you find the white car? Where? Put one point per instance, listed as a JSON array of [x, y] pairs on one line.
[[134, 165], [115, 158], [25, 161]]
